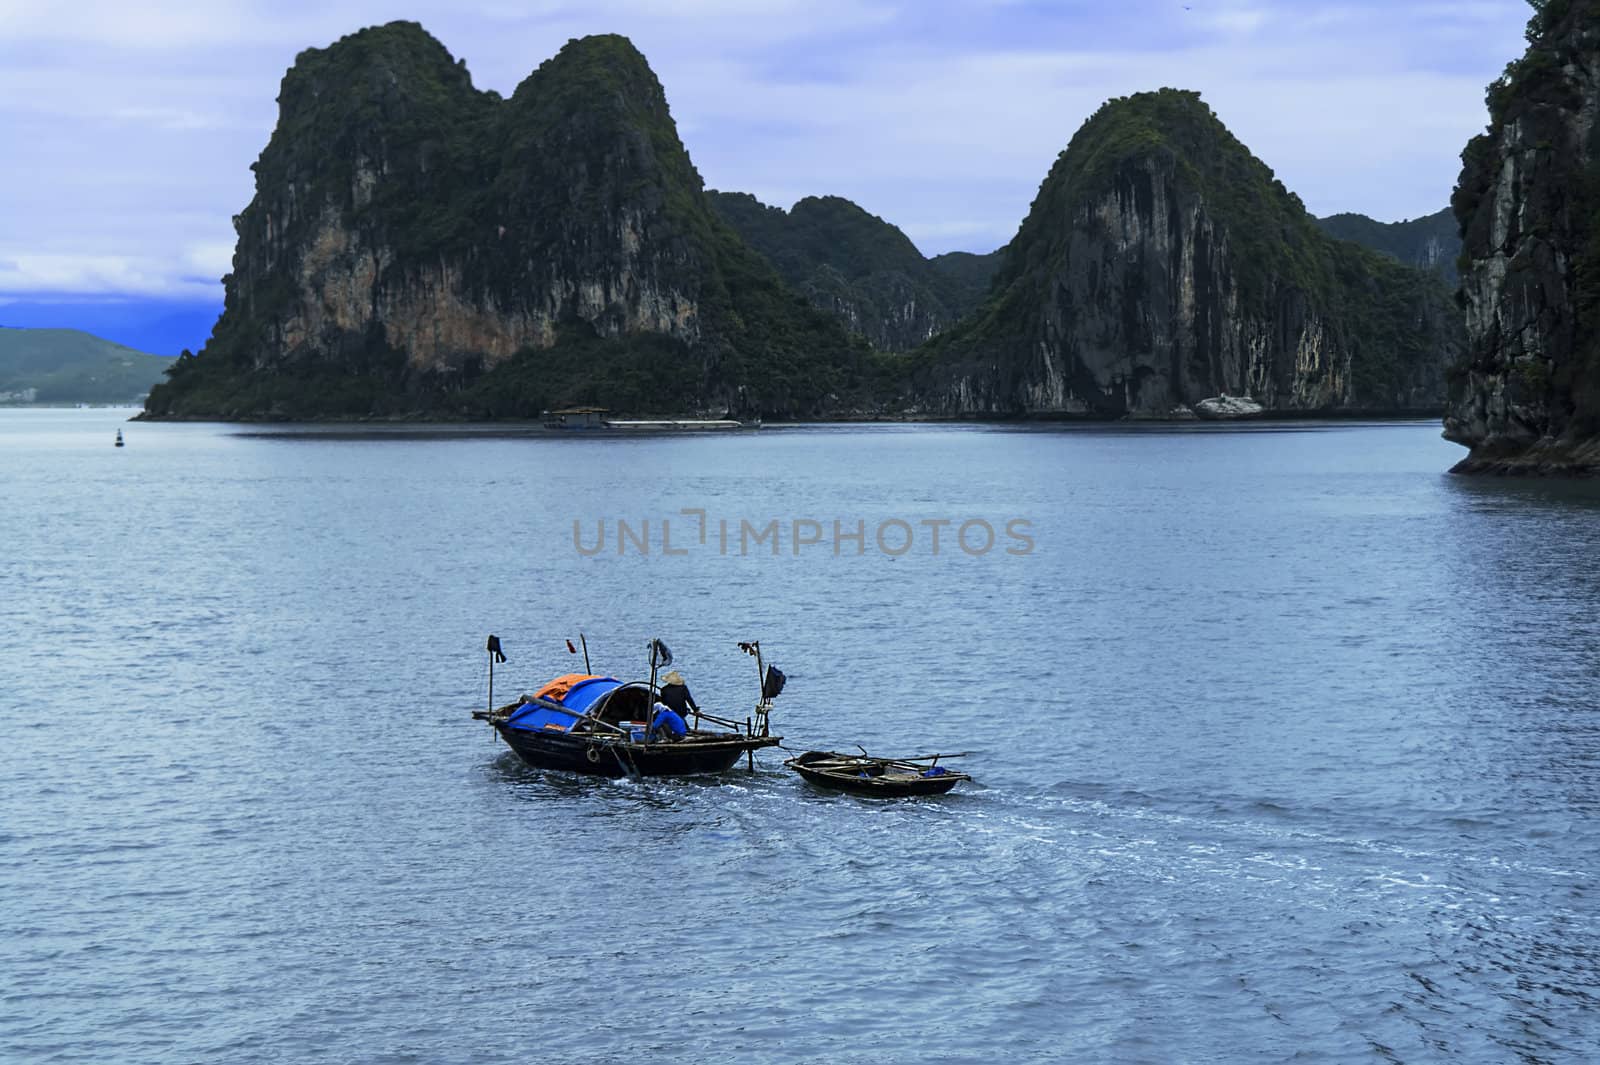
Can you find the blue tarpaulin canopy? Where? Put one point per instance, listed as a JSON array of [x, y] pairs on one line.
[[577, 699]]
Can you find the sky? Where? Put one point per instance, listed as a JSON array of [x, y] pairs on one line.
[[130, 127]]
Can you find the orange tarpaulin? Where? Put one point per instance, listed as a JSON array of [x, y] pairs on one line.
[[559, 687]]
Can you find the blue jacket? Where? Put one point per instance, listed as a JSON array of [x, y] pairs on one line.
[[669, 722]]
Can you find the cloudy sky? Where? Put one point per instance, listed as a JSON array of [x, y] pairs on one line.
[[130, 126]]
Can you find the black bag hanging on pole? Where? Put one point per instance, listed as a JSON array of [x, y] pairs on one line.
[[494, 649], [773, 684], [660, 655]]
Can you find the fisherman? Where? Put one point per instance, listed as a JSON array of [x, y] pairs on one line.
[[667, 725], [675, 694]]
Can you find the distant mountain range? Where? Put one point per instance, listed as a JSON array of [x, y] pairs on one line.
[[69, 366], [154, 325], [868, 274], [859, 268], [1430, 243]]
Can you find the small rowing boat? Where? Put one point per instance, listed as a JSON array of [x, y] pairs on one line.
[[883, 777]]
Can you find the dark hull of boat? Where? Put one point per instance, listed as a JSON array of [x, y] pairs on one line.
[[883, 787], [605, 757]]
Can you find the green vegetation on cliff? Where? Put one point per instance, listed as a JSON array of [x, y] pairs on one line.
[[966, 276], [416, 246], [1273, 234], [68, 366]]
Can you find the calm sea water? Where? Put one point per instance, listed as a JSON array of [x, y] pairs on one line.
[[1287, 746]]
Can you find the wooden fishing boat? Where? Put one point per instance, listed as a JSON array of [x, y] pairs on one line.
[[883, 777], [586, 723]]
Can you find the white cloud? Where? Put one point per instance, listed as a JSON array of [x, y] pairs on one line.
[[177, 25], [1233, 20], [171, 118], [211, 259], [58, 275]]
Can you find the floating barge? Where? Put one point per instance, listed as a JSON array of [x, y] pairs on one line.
[[592, 419]]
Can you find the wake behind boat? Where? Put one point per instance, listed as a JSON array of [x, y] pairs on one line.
[[598, 725]]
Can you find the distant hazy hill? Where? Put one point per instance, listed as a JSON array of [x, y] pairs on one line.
[[68, 366], [1430, 243], [859, 268], [159, 326]]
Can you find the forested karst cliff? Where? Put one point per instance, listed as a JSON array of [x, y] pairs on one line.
[[418, 246], [1528, 398], [860, 268], [1162, 264]]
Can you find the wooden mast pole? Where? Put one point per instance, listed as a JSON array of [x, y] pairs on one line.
[[761, 689], [650, 695], [761, 697]]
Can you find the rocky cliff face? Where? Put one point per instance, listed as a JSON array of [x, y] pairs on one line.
[[1161, 265], [859, 268], [1431, 243], [417, 245], [1528, 397]]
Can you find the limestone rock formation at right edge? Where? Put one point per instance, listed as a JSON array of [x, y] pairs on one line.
[[1528, 398]]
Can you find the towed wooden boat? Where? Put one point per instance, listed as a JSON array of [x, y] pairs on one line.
[[596, 725], [884, 777]]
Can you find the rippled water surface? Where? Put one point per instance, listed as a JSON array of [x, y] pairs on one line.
[[1287, 746]]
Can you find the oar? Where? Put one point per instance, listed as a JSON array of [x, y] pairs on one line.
[[934, 758]]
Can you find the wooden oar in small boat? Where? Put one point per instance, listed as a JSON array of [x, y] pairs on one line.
[[907, 763]]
